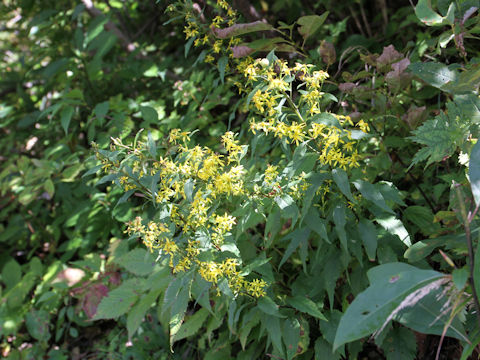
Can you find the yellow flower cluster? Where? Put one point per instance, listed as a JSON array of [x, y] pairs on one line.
[[334, 144], [191, 181]]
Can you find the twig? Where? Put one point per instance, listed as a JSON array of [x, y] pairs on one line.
[[365, 21], [357, 21]]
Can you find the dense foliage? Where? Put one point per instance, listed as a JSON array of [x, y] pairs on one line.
[[225, 179]]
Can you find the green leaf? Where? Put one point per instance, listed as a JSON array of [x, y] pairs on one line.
[[241, 29], [400, 344], [370, 309], [341, 179], [460, 277], [37, 322], [222, 64], [423, 218], [474, 172], [425, 14], [310, 24], [368, 234], [373, 194], [149, 114], [65, 117], [288, 207], [95, 27], [120, 300], [137, 313], [317, 224], [291, 336], [303, 304], [11, 273], [101, 109], [435, 74], [272, 324], [268, 306], [395, 226], [192, 325], [476, 270], [339, 218], [152, 147], [138, 261], [299, 237]]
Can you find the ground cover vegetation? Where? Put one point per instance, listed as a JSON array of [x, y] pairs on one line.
[[231, 179]]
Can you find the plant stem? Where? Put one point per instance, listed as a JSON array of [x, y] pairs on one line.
[[471, 255]]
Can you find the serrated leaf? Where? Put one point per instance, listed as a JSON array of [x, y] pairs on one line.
[[474, 172], [101, 109], [441, 135], [371, 308], [272, 324], [306, 305], [119, 300], [310, 24], [460, 277], [138, 261], [37, 322]]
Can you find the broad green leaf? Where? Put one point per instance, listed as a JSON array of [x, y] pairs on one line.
[[371, 308], [434, 74], [310, 24], [119, 300], [341, 179], [476, 270], [425, 14], [306, 305], [192, 325], [245, 330], [467, 82], [368, 234], [65, 117], [428, 316], [16, 294], [138, 261], [291, 336], [474, 172], [323, 351], [137, 313], [373, 194]]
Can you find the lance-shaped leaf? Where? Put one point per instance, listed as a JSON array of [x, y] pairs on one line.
[[474, 172], [241, 29], [380, 302]]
